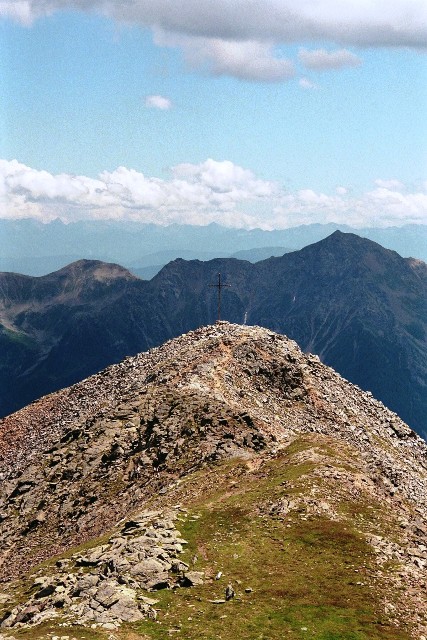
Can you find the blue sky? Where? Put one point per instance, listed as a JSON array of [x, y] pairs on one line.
[[248, 114]]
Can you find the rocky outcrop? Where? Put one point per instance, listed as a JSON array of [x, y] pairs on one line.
[[106, 586]]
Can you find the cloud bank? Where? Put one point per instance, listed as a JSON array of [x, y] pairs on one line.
[[379, 23], [240, 37], [212, 191]]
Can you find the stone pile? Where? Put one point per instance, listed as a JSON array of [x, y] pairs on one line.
[[109, 584]]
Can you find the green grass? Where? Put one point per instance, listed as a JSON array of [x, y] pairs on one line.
[[303, 573], [52, 628]]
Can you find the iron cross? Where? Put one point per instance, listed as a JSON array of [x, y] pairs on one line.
[[219, 286]]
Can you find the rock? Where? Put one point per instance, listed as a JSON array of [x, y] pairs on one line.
[[152, 614], [109, 626], [192, 579], [229, 592], [87, 562], [160, 581], [107, 595], [7, 621], [126, 610], [26, 614], [177, 566], [87, 581], [250, 403], [147, 568], [130, 525], [40, 581]]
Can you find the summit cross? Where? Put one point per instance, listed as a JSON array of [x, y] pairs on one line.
[[219, 285]]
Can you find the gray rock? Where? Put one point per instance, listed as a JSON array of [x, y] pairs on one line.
[[147, 567], [229, 592], [126, 610], [87, 581], [107, 595], [159, 581], [192, 578]]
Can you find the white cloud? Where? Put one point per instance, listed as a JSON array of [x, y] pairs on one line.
[[239, 37], [305, 83], [224, 177], [211, 191], [158, 102], [322, 60], [247, 60], [377, 208], [21, 10], [208, 190]]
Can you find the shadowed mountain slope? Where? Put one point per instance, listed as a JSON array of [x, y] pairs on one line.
[[225, 460], [361, 307]]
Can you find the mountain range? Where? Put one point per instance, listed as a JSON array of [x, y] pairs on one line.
[[222, 485], [34, 248], [360, 307]]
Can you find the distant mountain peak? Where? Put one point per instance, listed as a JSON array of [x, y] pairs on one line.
[[95, 268], [360, 307]]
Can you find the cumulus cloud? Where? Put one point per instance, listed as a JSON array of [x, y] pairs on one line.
[[322, 60], [225, 177], [158, 102], [212, 191], [239, 37], [247, 60], [204, 191]]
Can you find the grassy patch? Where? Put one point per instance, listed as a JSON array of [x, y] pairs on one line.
[[52, 628], [294, 578], [20, 338]]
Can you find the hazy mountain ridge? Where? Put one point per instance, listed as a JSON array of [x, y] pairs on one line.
[[224, 451], [361, 307], [28, 246]]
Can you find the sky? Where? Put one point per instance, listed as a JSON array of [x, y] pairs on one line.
[[248, 113]]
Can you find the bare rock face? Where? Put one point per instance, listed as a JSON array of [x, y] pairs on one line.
[[84, 462]]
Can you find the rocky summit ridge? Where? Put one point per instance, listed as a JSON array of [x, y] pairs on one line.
[[178, 466]]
